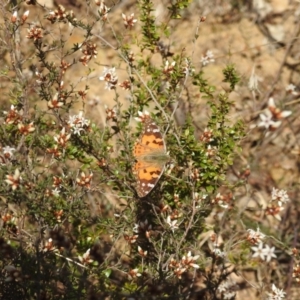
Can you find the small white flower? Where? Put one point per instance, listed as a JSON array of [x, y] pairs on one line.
[[187, 69], [188, 260], [85, 122], [267, 122], [291, 89], [259, 251], [217, 252], [77, 130], [142, 252], [172, 224], [8, 151], [14, 17], [269, 253], [136, 228], [169, 68], [78, 123], [14, 180], [133, 274], [285, 114], [276, 294], [129, 21], [48, 245], [281, 196], [107, 71], [210, 54], [110, 78], [277, 113], [264, 253], [85, 258], [103, 9], [208, 58], [12, 108], [142, 116], [199, 200], [255, 236], [56, 192]]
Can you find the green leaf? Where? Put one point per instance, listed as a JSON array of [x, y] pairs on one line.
[[107, 273]]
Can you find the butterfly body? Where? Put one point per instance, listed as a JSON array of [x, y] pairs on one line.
[[151, 156]]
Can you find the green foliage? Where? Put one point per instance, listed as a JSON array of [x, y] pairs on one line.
[[231, 76], [177, 7], [149, 30]]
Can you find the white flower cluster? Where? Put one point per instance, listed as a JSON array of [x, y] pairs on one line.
[[78, 123]]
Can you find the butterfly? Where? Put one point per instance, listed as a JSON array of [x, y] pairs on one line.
[[151, 157]]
